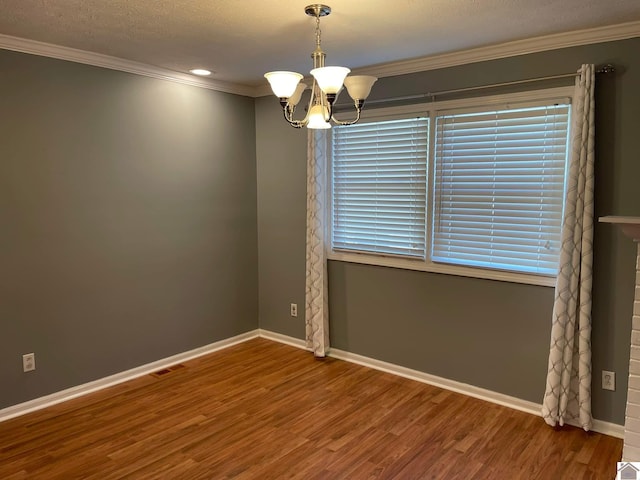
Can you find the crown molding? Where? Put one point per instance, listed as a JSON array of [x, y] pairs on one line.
[[33, 47], [556, 41]]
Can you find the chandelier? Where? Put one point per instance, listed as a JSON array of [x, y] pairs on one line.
[[327, 84]]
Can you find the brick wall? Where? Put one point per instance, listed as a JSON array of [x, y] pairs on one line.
[[631, 450]]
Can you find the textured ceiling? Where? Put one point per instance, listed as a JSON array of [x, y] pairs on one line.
[[240, 40]]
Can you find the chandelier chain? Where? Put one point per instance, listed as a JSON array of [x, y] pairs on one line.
[[318, 32]]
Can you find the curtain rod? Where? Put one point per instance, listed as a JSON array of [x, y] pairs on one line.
[[608, 68]]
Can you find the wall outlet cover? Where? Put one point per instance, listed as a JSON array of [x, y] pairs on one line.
[[28, 362], [608, 380]]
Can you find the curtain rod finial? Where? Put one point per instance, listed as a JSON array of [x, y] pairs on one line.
[[608, 68]]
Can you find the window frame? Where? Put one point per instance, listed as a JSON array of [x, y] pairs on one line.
[[431, 110]]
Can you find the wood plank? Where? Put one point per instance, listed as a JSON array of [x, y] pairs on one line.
[[269, 411]]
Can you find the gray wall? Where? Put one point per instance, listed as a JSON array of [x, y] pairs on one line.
[[486, 333], [281, 169], [128, 221]]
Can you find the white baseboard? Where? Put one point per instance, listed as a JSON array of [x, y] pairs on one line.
[[607, 428], [287, 340], [533, 408], [526, 406], [451, 385], [86, 388]]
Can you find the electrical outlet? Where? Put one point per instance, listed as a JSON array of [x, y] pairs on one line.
[[28, 362], [608, 380], [294, 309]]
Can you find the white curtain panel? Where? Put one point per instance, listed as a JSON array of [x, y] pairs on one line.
[[568, 393], [316, 298]]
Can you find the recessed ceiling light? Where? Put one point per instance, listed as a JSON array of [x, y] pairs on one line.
[[200, 71]]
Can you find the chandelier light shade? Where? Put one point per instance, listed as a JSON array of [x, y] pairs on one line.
[[327, 83], [330, 79], [283, 84], [359, 86], [297, 95]]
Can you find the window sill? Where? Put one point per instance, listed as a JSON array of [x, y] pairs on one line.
[[425, 266]]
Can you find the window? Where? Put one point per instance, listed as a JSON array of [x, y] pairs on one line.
[[466, 188], [499, 188], [380, 187]]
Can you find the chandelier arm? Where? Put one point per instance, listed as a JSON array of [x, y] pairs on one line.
[[287, 111], [329, 107], [358, 106]]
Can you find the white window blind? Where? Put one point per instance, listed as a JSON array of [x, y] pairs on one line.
[[499, 188], [379, 187]]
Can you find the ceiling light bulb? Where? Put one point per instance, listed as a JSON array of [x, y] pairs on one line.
[[200, 71], [318, 117]]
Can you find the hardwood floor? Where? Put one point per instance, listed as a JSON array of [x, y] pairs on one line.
[[262, 410]]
